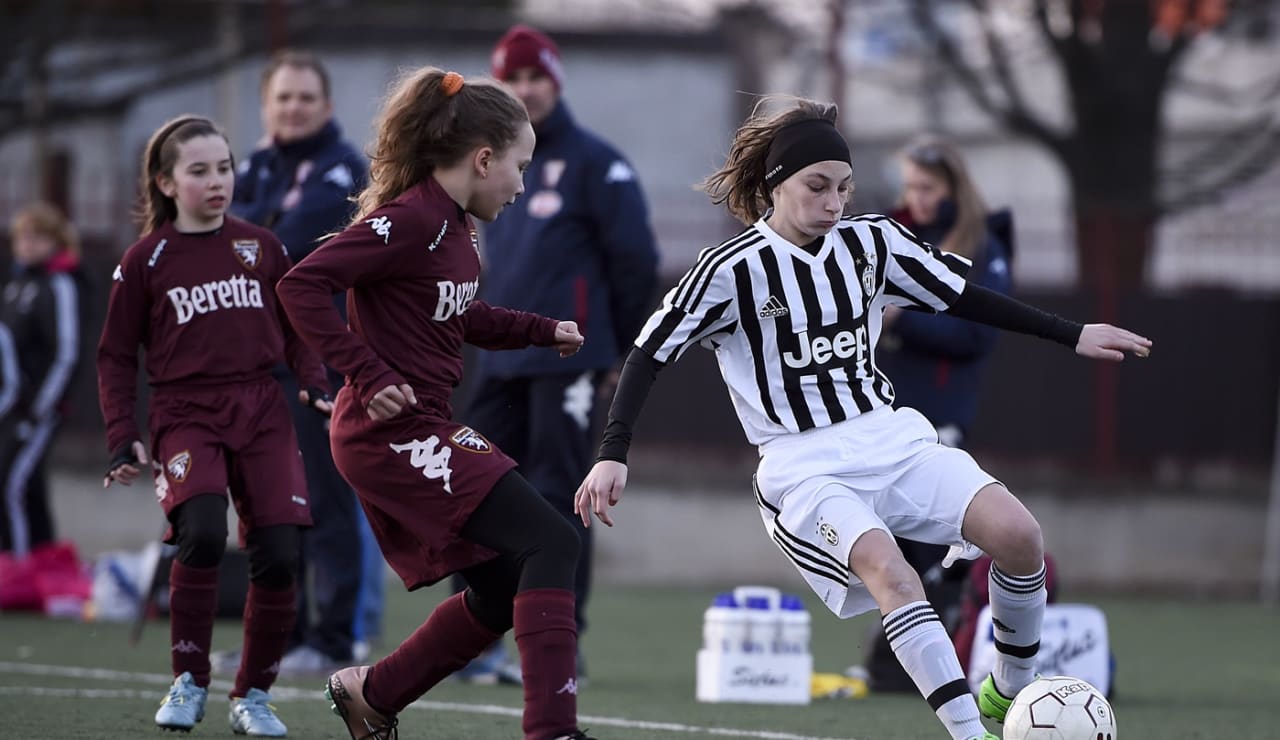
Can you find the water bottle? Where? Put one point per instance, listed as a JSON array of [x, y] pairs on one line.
[[724, 625], [793, 632], [762, 625]]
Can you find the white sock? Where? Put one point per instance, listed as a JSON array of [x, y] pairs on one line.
[[1017, 611], [916, 635]]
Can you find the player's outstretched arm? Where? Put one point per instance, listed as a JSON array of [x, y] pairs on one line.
[[601, 489], [1096, 341], [1107, 342]]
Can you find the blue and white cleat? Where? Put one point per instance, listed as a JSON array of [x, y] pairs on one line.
[[183, 707], [253, 716]]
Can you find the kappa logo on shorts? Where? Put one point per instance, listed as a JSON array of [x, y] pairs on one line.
[[248, 251], [179, 466], [471, 441], [828, 533], [423, 455]]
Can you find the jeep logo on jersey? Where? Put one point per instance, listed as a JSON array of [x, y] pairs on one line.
[[820, 350], [247, 250], [238, 292], [179, 466], [471, 441], [454, 298]]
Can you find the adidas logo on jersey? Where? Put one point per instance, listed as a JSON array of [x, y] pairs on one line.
[[773, 308]]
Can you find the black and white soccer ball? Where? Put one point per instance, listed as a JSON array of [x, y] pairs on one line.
[[1060, 708]]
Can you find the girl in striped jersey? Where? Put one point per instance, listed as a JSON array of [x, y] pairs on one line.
[[793, 307]]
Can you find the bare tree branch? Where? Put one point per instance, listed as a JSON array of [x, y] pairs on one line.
[[1259, 92], [1014, 116], [1236, 156]]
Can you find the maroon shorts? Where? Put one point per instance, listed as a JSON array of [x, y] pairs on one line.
[[236, 439], [419, 477]]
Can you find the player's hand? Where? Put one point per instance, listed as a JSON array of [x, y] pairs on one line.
[[1107, 342], [123, 467], [390, 401], [568, 340], [316, 400], [601, 489]]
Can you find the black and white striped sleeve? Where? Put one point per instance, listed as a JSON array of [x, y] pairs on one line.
[[700, 307], [918, 274]]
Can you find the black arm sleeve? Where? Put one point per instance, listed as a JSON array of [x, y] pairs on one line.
[[989, 307], [638, 375]]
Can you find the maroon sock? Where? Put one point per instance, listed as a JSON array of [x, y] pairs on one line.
[[547, 637], [193, 598], [268, 620], [448, 640]]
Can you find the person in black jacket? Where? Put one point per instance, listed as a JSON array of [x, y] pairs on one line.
[[299, 184], [39, 355]]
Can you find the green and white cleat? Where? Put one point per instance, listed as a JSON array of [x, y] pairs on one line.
[[183, 707], [991, 703], [254, 717]]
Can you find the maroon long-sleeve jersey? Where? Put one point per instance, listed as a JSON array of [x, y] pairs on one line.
[[204, 308], [411, 269]]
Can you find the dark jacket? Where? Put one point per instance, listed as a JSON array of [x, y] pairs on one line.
[[936, 367], [576, 246], [41, 315], [328, 171]]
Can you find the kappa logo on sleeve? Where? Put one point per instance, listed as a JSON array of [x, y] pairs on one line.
[[179, 466], [471, 441], [118, 275], [382, 227], [340, 175], [619, 171]]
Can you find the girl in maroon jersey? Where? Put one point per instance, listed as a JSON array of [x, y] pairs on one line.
[[440, 497], [197, 293]]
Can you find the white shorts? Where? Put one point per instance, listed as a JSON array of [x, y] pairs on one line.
[[820, 490]]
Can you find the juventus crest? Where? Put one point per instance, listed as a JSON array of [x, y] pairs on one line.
[[865, 265], [248, 251]]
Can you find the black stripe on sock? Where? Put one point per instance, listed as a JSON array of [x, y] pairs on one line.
[[894, 634], [1019, 651], [1013, 580], [1017, 584], [893, 619], [946, 692]]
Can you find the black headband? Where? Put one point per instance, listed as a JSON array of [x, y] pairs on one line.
[[800, 144]]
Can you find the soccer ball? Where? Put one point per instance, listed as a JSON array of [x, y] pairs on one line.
[[1060, 708]]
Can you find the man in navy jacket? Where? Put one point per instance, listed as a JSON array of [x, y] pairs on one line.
[[577, 246], [298, 184]]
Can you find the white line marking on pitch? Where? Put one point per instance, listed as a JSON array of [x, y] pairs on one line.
[[290, 694]]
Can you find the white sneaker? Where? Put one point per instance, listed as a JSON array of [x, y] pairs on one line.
[[253, 716], [183, 706]]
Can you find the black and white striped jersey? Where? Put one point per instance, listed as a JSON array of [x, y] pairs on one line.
[[793, 328]]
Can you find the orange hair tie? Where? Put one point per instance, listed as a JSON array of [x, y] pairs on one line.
[[451, 84]]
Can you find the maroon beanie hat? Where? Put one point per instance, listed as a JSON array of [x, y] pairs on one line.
[[522, 47]]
